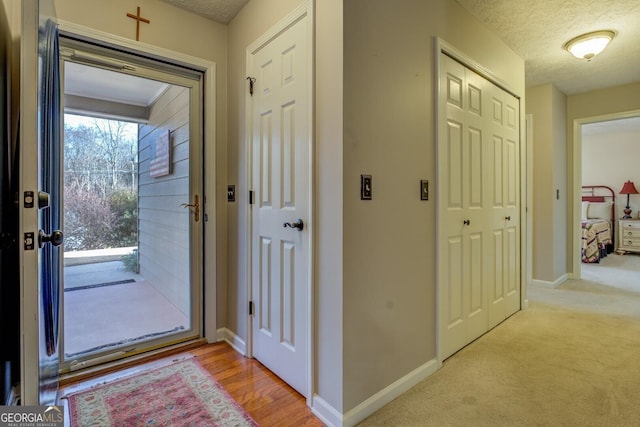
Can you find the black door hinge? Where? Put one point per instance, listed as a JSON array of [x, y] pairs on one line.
[[252, 81], [250, 308], [250, 197]]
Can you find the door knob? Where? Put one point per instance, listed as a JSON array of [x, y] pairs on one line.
[[299, 225], [466, 222], [508, 218], [55, 238]]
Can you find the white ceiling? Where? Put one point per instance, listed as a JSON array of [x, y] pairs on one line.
[[626, 125], [97, 83]]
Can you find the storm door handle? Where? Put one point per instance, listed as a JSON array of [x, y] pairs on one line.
[[196, 207], [56, 238]]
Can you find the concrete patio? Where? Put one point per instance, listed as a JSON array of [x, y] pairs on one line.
[[107, 306]]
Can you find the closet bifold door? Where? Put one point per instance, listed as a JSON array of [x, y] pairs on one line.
[[478, 205]]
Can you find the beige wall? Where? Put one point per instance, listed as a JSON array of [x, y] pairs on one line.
[[547, 105], [611, 159], [560, 194], [170, 27], [389, 242], [538, 101], [330, 225], [597, 105]]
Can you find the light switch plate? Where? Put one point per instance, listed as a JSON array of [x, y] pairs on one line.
[[365, 187], [231, 193], [424, 189]]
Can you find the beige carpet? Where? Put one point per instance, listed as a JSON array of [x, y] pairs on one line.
[[618, 271], [545, 366]]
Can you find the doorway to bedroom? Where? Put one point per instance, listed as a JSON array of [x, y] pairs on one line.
[[609, 150], [132, 179], [610, 286]]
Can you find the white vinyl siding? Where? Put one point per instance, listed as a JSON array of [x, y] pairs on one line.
[[163, 223]]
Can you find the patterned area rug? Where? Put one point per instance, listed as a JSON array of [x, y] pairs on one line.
[[182, 393]]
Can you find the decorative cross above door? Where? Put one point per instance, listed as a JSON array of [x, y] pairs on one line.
[[138, 19]]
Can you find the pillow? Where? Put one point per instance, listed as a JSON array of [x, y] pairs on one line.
[[585, 207], [600, 210]]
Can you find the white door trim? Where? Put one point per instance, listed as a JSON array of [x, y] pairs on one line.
[[208, 68], [527, 193], [442, 46], [305, 9], [576, 163]]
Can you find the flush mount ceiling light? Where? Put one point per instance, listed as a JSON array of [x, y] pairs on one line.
[[589, 45]]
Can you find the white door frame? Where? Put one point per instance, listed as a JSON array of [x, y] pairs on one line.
[[306, 8], [576, 163], [208, 69], [444, 47], [527, 191]]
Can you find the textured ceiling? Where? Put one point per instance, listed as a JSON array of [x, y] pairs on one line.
[[537, 30], [221, 11]]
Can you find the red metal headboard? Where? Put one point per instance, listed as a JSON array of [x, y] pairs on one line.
[[599, 193], [602, 193]]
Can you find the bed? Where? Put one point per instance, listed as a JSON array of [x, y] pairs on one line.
[[598, 222]]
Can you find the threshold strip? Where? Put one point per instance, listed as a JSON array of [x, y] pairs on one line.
[[99, 285]]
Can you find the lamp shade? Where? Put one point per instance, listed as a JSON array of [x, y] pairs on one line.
[[628, 188]]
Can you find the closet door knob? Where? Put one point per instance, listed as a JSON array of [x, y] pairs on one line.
[[466, 222]]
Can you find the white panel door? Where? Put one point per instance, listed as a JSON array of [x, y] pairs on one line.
[[478, 206], [281, 135], [462, 208], [503, 127]]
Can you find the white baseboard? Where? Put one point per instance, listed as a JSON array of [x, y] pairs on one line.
[[333, 418], [329, 416], [544, 284], [233, 340]]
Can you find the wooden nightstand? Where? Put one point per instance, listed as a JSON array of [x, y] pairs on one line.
[[629, 232]]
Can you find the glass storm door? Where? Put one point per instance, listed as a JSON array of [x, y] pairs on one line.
[[133, 223]]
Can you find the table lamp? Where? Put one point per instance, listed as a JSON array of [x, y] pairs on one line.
[[628, 188]]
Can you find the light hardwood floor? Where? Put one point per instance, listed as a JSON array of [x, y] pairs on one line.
[[268, 399]]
